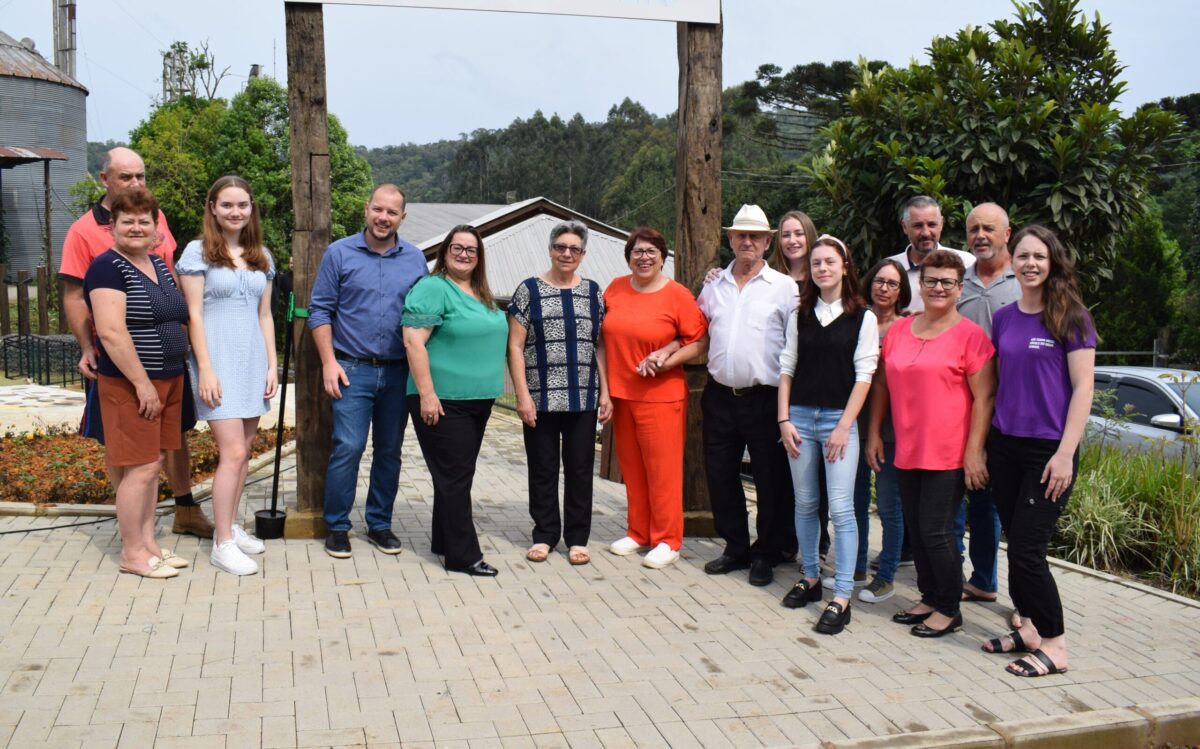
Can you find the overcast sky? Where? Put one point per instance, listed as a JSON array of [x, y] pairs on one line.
[[399, 75]]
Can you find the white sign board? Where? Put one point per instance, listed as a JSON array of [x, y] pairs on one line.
[[691, 11]]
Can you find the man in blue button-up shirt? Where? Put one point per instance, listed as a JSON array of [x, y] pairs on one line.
[[354, 316]]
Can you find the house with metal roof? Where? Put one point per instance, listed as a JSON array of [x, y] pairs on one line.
[[516, 238]]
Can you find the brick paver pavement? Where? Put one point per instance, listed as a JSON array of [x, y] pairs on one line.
[[394, 651]]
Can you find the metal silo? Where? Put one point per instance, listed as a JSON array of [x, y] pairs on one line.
[[40, 107]]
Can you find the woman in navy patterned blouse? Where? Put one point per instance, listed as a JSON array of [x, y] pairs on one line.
[[553, 337], [139, 313]]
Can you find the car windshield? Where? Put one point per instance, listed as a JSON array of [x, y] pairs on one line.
[[1190, 392]]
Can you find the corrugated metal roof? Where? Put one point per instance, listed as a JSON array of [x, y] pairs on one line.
[[424, 221], [19, 61], [13, 155], [520, 251]]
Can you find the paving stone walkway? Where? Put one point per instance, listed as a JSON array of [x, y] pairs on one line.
[[394, 651]]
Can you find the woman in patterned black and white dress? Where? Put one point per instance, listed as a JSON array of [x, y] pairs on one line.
[[553, 342]]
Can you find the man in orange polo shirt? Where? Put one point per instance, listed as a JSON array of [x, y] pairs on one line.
[[87, 238]]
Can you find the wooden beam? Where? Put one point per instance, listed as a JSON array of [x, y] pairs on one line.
[[697, 226], [308, 122]]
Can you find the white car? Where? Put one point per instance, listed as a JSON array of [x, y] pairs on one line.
[[1159, 405]]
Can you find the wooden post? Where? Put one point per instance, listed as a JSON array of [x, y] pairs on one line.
[[22, 302], [697, 227], [46, 195], [5, 323], [308, 122], [43, 289]]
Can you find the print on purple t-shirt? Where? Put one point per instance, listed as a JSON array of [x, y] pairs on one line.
[[1034, 388]]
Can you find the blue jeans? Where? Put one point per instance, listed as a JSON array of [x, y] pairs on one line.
[[375, 398], [979, 512], [814, 426], [891, 514]]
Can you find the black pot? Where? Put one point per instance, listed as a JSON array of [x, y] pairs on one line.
[[268, 524]]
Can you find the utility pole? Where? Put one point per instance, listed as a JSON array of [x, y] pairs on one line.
[[697, 228]]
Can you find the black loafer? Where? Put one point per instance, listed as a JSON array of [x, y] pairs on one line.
[[903, 617], [923, 631], [725, 564], [801, 594], [479, 569], [833, 619], [337, 544], [384, 540], [761, 572]]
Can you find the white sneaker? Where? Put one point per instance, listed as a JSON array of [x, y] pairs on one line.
[[247, 543], [625, 547], [660, 556], [229, 557]]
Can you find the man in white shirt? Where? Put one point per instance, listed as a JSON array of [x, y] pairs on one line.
[[921, 220], [748, 306]]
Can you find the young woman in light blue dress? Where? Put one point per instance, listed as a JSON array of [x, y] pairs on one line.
[[226, 278]]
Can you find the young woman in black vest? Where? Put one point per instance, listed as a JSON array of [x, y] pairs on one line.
[[827, 365]]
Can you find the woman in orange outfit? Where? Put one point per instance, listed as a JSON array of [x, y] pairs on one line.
[[651, 326]]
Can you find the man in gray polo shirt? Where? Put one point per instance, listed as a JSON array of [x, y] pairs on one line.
[[987, 286]]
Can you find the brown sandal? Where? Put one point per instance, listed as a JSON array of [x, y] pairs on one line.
[[538, 552], [578, 555]]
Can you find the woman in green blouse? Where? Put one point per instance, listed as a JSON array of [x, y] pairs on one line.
[[455, 337]]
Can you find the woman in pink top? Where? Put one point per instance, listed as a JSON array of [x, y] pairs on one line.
[[938, 379]]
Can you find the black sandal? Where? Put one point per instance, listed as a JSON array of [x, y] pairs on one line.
[[1024, 667], [997, 644]]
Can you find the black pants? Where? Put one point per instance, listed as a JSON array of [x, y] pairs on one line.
[[733, 424], [931, 500], [576, 432], [1015, 465], [451, 448]]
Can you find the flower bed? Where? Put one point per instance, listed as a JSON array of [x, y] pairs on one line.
[[57, 466]]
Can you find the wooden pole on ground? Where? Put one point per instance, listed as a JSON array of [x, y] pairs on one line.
[[308, 121], [697, 226], [43, 307]]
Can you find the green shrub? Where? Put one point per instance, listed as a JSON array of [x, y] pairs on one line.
[[1100, 528], [1137, 513]]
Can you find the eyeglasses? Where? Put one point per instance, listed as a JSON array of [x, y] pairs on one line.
[[947, 284], [462, 249], [651, 252], [886, 283], [565, 249]]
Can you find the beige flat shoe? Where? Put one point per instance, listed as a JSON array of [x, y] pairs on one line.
[[578, 555], [538, 552], [157, 570], [171, 559]]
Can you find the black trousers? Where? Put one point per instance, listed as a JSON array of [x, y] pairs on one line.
[[451, 448], [1015, 465], [733, 424], [576, 433], [931, 500]]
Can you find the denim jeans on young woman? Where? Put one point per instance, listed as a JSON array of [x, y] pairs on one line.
[[374, 397], [891, 515], [814, 425]]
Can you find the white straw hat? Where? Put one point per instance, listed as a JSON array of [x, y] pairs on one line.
[[750, 218]]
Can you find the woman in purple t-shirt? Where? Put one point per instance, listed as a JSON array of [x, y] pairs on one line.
[[1046, 348]]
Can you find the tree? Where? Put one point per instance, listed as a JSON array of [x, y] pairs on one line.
[[176, 141], [797, 102], [189, 71], [252, 141], [1021, 115], [1145, 290]]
